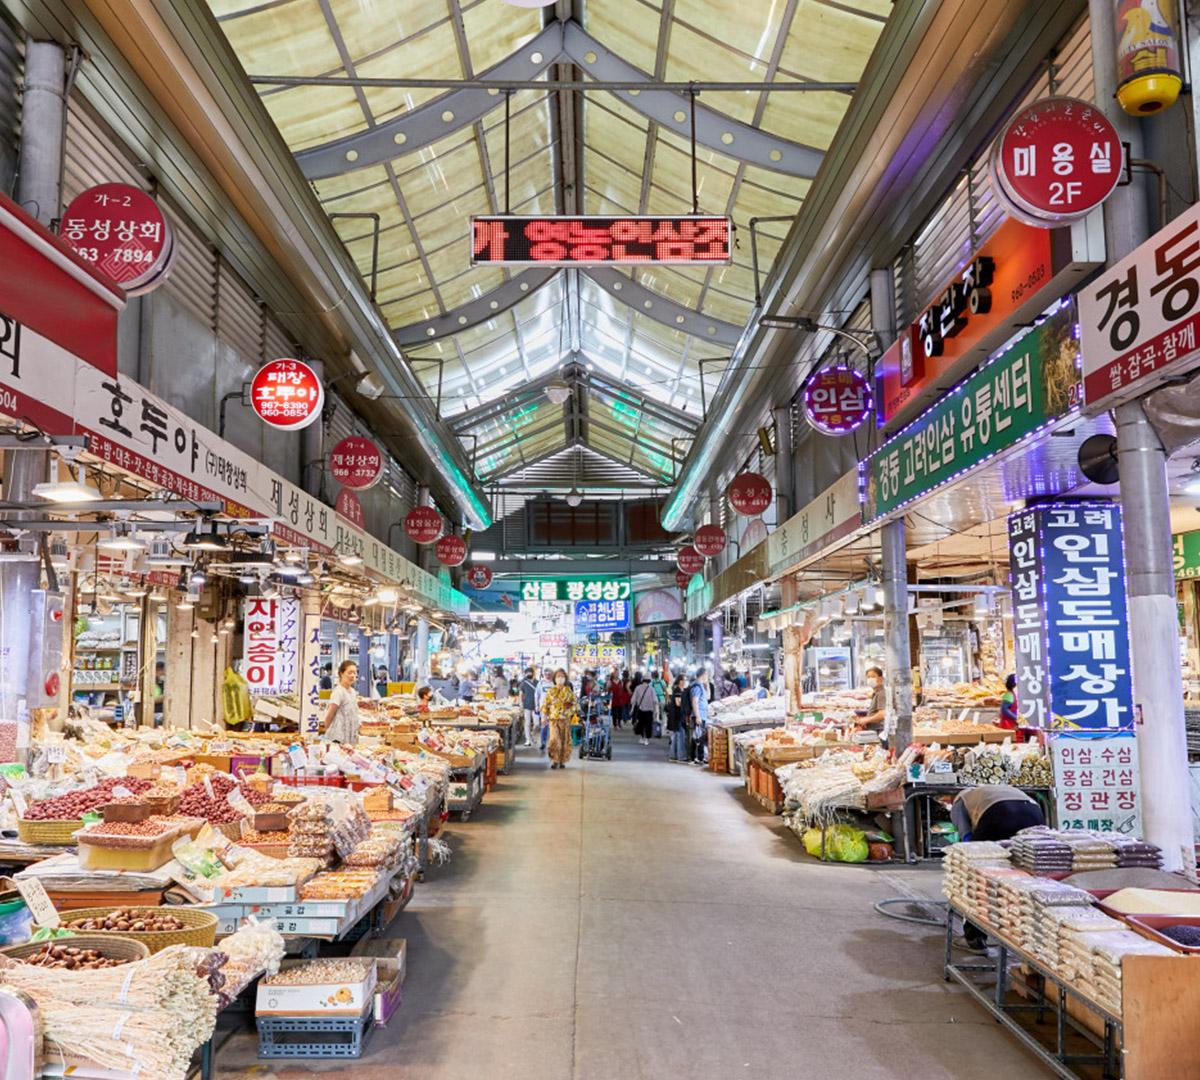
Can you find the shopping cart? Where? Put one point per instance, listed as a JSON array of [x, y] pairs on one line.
[[597, 728]]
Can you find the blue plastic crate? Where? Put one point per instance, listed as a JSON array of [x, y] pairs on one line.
[[314, 1036]]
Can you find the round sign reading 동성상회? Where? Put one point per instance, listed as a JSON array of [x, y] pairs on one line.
[[287, 394], [1056, 160], [122, 232], [356, 463]]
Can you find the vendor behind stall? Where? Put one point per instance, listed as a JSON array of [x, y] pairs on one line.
[[1010, 718], [992, 812], [424, 698], [877, 711], [341, 719]]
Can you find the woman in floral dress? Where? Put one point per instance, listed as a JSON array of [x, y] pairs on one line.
[[559, 709]]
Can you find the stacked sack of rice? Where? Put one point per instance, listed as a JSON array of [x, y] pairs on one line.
[[1056, 937], [1096, 958], [960, 884]]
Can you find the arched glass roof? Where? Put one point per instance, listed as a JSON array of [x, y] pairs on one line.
[[426, 159]]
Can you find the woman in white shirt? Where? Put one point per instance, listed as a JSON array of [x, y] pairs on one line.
[[341, 719]]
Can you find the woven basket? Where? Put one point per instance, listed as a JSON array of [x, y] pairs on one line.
[[49, 832], [112, 947], [199, 927]]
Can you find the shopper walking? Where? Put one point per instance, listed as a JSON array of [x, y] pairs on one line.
[[528, 691], [500, 685], [341, 718], [659, 685], [698, 713], [544, 686], [643, 703], [466, 688], [559, 709], [677, 715], [618, 697]]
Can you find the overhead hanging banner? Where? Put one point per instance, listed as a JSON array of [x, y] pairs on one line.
[[601, 616], [349, 506], [832, 516], [1096, 783], [590, 241], [589, 588], [1033, 382], [260, 636], [1070, 623], [1140, 317], [355, 462]]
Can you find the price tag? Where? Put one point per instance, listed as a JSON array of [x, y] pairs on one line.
[[298, 757], [181, 776], [240, 803], [33, 892], [91, 777], [56, 753], [122, 792], [208, 786], [18, 801], [942, 767]]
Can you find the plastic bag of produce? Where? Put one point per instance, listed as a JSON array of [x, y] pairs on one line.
[[812, 842], [844, 844]]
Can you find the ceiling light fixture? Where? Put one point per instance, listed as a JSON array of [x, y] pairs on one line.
[[67, 491], [558, 391], [350, 558], [210, 540], [118, 541]]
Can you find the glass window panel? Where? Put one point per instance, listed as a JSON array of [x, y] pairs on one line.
[[529, 133], [754, 201], [723, 306], [812, 117], [289, 39], [617, 186], [413, 162], [752, 29], [796, 186], [611, 136], [845, 38], [496, 31], [433, 54], [334, 188], [411, 309], [681, 145], [475, 283], [313, 115], [442, 179], [630, 30], [597, 203], [367, 27], [671, 284]]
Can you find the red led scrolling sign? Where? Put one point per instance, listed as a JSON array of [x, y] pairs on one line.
[[585, 240]]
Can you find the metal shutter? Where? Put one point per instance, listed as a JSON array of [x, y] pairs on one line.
[[239, 314], [277, 342], [93, 154], [10, 104], [192, 283]]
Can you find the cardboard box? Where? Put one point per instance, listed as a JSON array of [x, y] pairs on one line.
[[257, 894], [392, 954], [321, 999]]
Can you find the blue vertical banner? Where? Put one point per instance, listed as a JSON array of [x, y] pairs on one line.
[[1076, 570]]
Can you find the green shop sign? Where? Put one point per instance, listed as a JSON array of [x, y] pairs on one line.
[[1030, 384], [590, 588], [1187, 554]]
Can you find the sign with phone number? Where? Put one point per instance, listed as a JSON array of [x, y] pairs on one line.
[[575, 241]]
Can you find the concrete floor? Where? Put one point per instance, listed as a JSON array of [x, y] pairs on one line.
[[635, 920]]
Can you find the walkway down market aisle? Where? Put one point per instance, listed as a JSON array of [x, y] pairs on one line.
[[630, 919]]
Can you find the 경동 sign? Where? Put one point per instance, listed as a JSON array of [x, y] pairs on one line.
[[1139, 318], [1096, 783], [355, 462], [423, 524], [1056, 160], [837, 400], [588, 240], [121, 231], [1068, 564], [1034, 381], [601, 616], [287, 394], [750, 494]]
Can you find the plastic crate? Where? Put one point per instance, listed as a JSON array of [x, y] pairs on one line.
[[314, 1036]]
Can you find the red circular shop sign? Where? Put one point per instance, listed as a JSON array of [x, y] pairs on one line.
[[122, 232], [1056, 160], [287, 394], [451, 550], [837, 400], [709, 540], [689, 560], [356, 463], [423, 524], [682, 579], [479, 577], [749, 494], [350, 508]]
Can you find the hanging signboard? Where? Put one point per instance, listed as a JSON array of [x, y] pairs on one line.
[[260, 634], [479, 577], [1003, 285], [1149, 74], [682, 580], [831, 516], [1068, 561], [1055, 161], [750, 494], [1187, 554], [601, 616], [591, 241], [122, 232], [689, 560], [287, 394], [1096, 783], [598, 588], [1033, 382], [423, 524], [837, 400], [287, 664], [1139, 318], [594, 655], [356, 463], [349, 506], [53, 281], [451, 550], [709, 540]]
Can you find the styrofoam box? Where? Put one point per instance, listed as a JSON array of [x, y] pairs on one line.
[[258, 894], [322, 999]]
